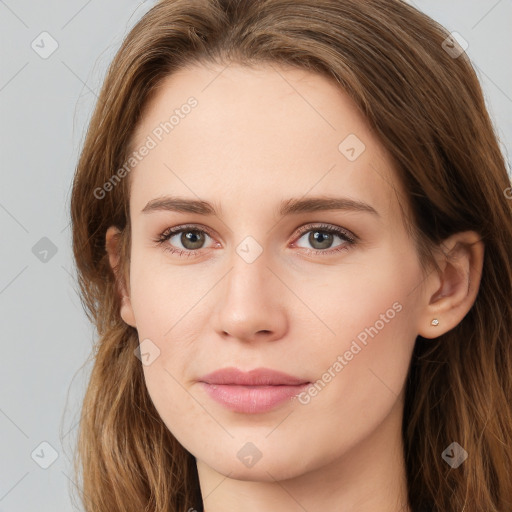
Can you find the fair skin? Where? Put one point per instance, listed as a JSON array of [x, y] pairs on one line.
[[258, 137]]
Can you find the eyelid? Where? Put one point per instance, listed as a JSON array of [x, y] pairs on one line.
[[300, 230], [182, 227], [347, 236], [327, 227], [176, 230]]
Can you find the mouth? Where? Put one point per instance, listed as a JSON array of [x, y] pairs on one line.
[[257, 391]]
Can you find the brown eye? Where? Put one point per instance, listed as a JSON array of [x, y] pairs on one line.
[[192, 239], [321, 239], [184, 240]]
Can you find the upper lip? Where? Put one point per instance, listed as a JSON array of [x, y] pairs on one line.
[[256, 377]]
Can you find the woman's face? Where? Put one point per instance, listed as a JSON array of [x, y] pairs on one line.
[[266, 281]]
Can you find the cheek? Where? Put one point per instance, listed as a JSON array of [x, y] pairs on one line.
[[183, 415], [360, 370], [363, 363], [162, 294], [165, 314], [171, 309], [368, 309]]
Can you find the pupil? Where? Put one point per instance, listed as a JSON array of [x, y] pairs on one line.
[[193, 238], [325, 239]]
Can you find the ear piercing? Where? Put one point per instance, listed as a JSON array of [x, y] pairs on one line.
[[435, 321]]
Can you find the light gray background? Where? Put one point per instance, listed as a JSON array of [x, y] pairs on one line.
[[45, 105]]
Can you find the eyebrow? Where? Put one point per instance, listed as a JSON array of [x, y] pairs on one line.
[[287, 207]]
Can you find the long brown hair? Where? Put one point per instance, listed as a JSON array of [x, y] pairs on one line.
[[427, 108]]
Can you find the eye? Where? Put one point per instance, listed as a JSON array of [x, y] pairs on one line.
[[321, 238], [192, 238]]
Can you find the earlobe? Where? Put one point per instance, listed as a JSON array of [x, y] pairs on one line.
[[126, 311], [112, 239], [451, 292]]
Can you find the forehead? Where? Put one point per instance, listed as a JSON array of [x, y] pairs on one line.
[[261, 132]]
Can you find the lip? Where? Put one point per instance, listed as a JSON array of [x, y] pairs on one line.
[[256, 377], [256, 391]]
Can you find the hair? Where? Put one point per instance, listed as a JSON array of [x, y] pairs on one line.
[[428, 111]]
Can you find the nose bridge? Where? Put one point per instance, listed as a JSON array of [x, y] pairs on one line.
[[250, 299], [249, 251], [249, 275]]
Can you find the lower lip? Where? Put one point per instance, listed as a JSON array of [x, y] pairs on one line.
[[252, 399]]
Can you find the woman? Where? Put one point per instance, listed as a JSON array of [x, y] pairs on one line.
[[292, 231]]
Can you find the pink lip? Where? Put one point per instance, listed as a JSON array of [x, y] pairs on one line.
[[259, 390]]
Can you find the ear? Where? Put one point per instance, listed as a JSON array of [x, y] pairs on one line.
[[450, 293], [112, 244]]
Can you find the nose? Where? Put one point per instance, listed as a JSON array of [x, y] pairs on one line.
[[250, 303]]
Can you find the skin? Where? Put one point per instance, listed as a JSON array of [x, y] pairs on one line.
[[259, 136]]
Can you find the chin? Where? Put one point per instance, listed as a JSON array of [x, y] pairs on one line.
[[276, 467]]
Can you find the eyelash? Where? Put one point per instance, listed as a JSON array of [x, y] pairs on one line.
[[345, 235]]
